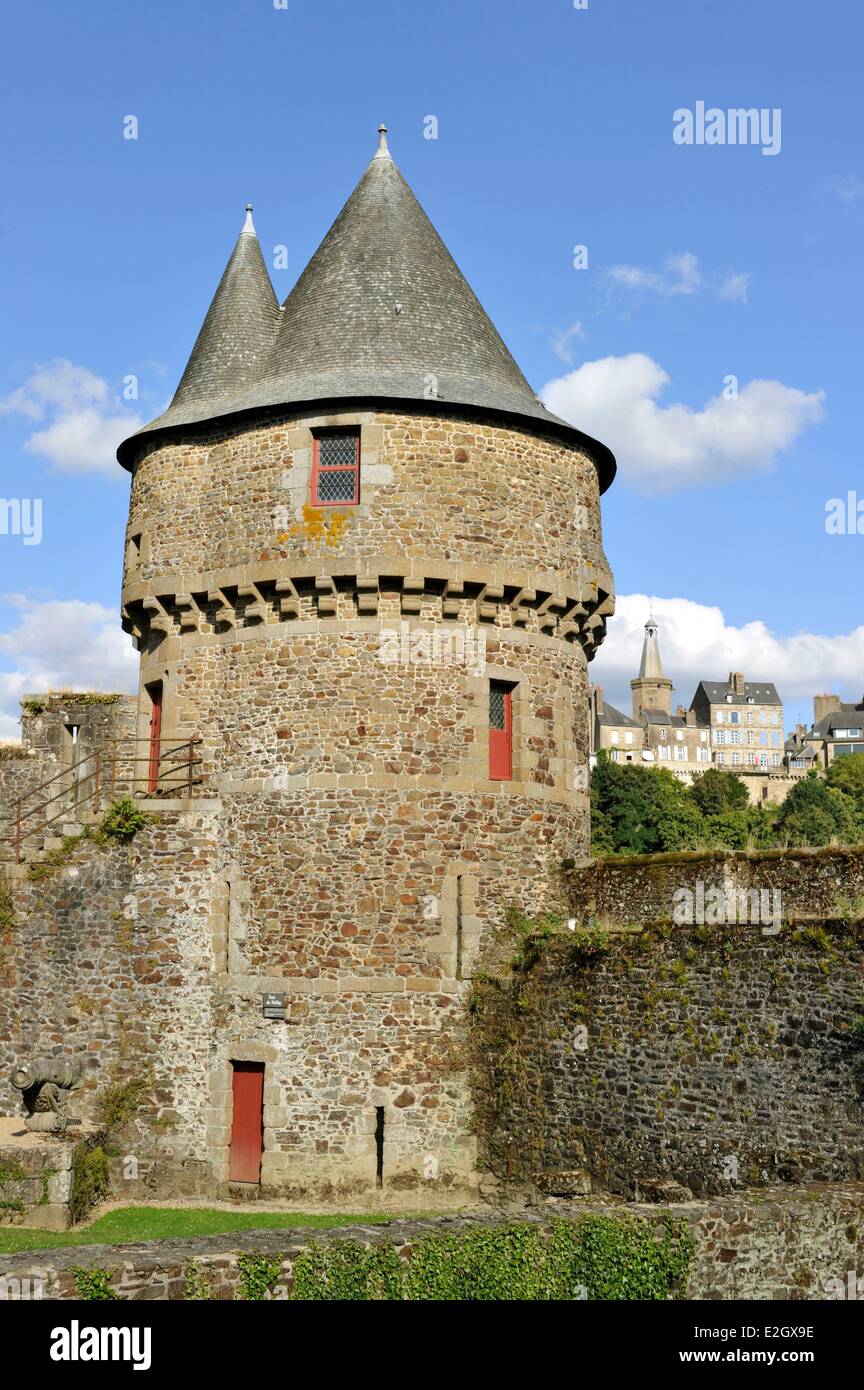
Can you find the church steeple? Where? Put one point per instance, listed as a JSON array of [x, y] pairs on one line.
[[651, 689]]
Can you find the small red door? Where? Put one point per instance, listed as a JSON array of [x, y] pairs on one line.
[[500, 732], [155, 693], [247, 1126]]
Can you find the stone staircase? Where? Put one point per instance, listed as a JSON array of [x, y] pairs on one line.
[[37, 848]]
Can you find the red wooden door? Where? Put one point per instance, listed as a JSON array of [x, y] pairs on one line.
[[155, 693], [247, 1125], [500, 732]]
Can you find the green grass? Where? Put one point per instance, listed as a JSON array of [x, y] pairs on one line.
[[163, 1223]]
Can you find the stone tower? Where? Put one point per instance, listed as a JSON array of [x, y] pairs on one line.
[[364, 566], [651, 689]]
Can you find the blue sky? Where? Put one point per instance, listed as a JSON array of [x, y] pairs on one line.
[[554, 130]]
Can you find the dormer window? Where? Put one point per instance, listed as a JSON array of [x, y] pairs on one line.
[[336, 469]]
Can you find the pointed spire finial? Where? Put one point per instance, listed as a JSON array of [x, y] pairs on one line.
[[248, 225], [383, 151]]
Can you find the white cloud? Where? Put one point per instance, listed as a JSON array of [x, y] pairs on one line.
[[561, 343], [696, 643], [735, 287], [85, 422], [680, 275], [847, 187], [61, 644], [664, 447]]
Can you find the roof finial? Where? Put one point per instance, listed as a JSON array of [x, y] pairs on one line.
[[383, 151], [248, 225]]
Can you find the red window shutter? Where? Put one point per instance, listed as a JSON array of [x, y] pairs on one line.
[[500, 732]]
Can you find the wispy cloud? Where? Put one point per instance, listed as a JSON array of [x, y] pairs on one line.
[[681, 275], [84, 421], [735, 287], [664, 447], [561, 342], [847, 187]]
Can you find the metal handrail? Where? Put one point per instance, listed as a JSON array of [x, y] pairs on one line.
[[171, 777], [67, 771]]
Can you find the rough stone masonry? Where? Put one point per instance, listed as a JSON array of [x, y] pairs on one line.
[[353, 847]]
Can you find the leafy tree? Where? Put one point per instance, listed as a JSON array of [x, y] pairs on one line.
[[715, 792], [680, 826], [846, 775], [631, 802], [646, 810], [815, 813]]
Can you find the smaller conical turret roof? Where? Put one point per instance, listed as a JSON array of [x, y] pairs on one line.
[[239, 330]]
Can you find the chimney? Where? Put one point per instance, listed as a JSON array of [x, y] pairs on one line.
[[736, 682], [599, 707], [824, 704], [691, 718]]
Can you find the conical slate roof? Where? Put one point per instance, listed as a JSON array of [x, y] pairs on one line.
[[381, 314], [238, 333]]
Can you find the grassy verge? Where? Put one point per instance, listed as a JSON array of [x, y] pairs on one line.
[[163, 1223]]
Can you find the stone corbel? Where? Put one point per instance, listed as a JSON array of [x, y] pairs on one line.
[[190, 613], [487, 602], [225, 615], [607, 606], [413, 589], [521, 606], [595, 631], [131, 625], [159, 620], [256, 611], [453, 597], [572, 622], [327, 596], [289, 599], [367, 595], [550, 611]]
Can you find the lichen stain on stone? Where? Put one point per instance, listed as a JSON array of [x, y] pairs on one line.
[[318, 526]]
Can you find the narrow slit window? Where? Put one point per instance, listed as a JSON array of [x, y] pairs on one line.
[[379, 1145], [500, 731], [335, 470], [459, 927]]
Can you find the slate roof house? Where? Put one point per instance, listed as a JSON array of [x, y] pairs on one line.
[[837, 731]]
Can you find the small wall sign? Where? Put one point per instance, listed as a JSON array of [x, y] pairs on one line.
[[273, 1005]]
